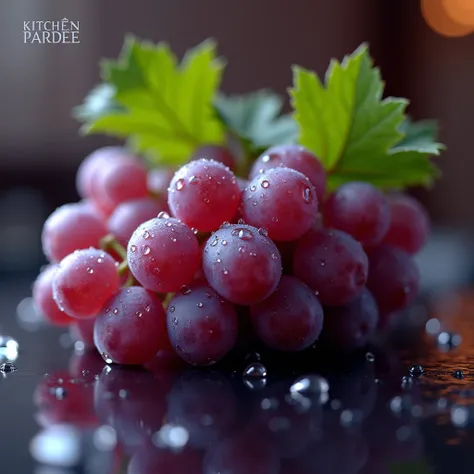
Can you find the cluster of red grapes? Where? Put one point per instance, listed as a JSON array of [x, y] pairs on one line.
[[181, 261]]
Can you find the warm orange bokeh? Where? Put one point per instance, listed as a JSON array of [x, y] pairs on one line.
[[442, 18], [461, 11]]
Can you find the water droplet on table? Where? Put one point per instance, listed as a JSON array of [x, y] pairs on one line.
[[8, 367], [416, 370], [255, 371]]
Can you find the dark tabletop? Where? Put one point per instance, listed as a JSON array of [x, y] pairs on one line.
[[64, 411]]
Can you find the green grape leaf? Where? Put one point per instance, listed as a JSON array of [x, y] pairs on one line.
[[256, 119], [356, 133], [99, 102], [165, 107]]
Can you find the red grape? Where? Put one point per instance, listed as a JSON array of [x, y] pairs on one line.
[[297, 158], [331, 263], [43, 298], [71, 227], [202, 327], [217, 153], [128, 215], [203, 194], [290, 319], [159, 179], [92, 166], [123, 179], [163, 254], [242, 264], [352, 325], [282, 201], [359, 209], [131, 328], [393, 278], [409, 225], [85, 280]]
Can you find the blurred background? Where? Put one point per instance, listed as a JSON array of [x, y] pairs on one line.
[[424, 49]]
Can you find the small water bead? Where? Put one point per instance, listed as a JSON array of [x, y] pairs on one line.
[[59, 392], [163, 215], [218, 260], [138, 314], [173, 239], [179, 185], [252, 254], [214, 242], [416, 370], [171, 309], [265, 184], [200, 305], [133, 248], [195, 231], [193, 180], [274, 219], [8, 367], [242, 233], [458, 374], [146, 235], [225, 271], [310, 385], [106, 358], [168, 224], [224, 242], [255, 384], [369, 357], [206, 200], [147, 308], [241, 250], [253, 187], [9, 348], [90, 270], [254, 203], [241, 221], [263, 232], [185, 290], [146, 250], [255, 371], [307, 195], [115, 311], [100, 260]]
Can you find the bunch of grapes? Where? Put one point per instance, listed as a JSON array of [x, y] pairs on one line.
[[195, 261]]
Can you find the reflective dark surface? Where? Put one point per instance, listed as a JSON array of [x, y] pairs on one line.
[[64, 411]]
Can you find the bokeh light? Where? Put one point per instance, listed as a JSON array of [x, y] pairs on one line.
[[443, 22], [461, 11]]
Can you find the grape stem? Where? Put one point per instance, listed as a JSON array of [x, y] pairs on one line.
[[109, 242]]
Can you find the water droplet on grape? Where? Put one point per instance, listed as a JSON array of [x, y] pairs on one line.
[[263, 232], [179, 185], [195, 231], [225, 224], [173, 239], [200, 305], [255, 371], [146, 250], [139, 314], [133, 248], [147, 308], [253, 187], [241, 221], [115, 311], [185, 290], [265, 184], [242, 233], [106, 358], [274, 219], [214, 242], [193, 180], [90, 270], [225, 271], [254, 203], [146, 235], [100, 260], [175, 321], [171, 309], [224, 242], [206, 200], [163, 215], [241, 250], [274, 256], [307, 195]]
